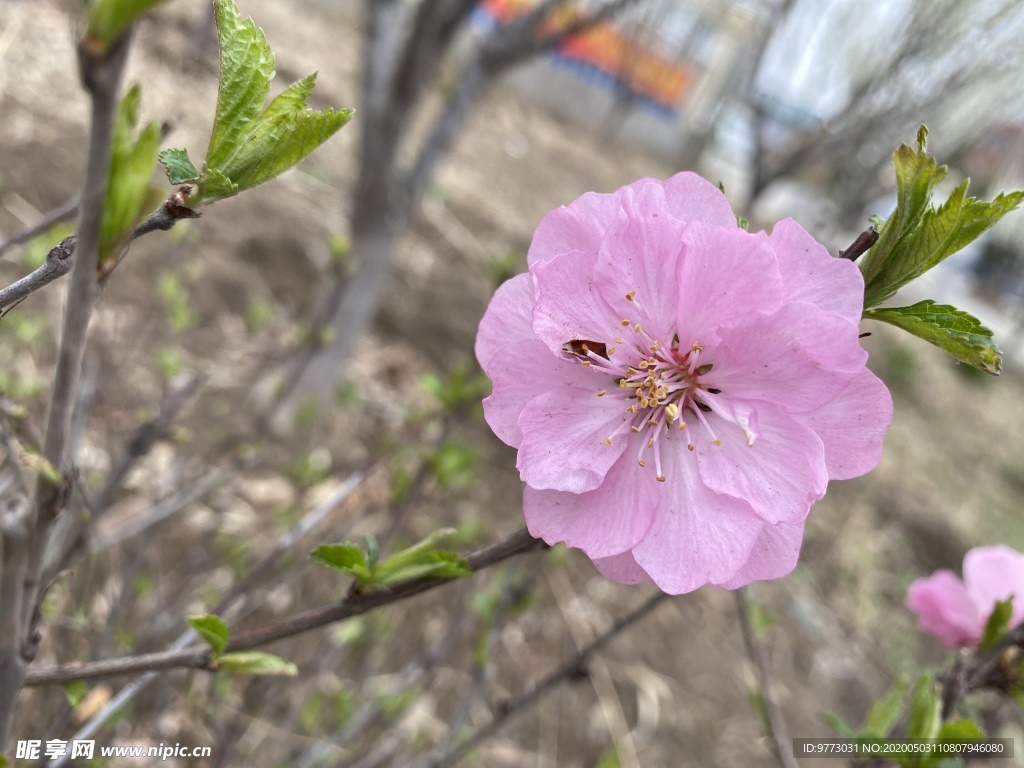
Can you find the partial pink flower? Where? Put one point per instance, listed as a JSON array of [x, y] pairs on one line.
[[955, 611], [680, 391]]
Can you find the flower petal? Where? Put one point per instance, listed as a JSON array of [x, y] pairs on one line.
[[563, 446], [780, 475], [639, 253], [810, 273], [774, 555], [692, 198], [623, 569], [852, 426], [799, 357], [698, 537], [993, 574], [508, 318], [578, 226], [724, 275], [603, 522], [568, 308], [945, 610], [520, 372]]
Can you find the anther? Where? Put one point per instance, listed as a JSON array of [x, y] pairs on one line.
[[624, 324], [602, 392], [631, 295], [641, 462]]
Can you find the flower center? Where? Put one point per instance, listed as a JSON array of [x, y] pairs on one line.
[[660, 384]]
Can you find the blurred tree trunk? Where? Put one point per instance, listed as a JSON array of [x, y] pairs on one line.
[[405, 45]]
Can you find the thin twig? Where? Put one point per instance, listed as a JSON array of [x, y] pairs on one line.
[[58, 263], [782, 744], [61, 213], [571, 668], [864, 241], [101, 75], [354, 605]]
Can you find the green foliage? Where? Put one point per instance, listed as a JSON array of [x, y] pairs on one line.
[[420, 560], [129, 194], [917, 236], [610, 758], [925, 717], [998, 624], [462, 385], [953, 330], [249, 144], [885, 713], [393, 704], [106, 20], [453, 464], [256, 663], [212, 629], [259, 314], [215, 632], [75, 692], [175, 297]]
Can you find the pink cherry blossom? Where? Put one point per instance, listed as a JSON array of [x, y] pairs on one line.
[[957, 611], [680, 391]]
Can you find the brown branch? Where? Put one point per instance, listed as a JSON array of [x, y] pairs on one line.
[[356, 604], [101, 76], [572, 668], [778, 733], [860, 246]]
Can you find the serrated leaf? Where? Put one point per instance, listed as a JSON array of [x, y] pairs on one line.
[[998, 624], [179, 167], [212, 629], [212, 186], [246, 69], [107, 19], [345, 558], [75, 691], [284, 134], [885, 713], [256, 663], [925, 716], [918, 236], [129, 195], [953, 330]]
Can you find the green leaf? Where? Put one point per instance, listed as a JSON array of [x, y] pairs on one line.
[[948, 328], [839, 725], [885, 713], [925, 716], [246, 69], [345, 558], [179, 168], [212, 185], [107, 19], [250, 145], [284, 134], [953, 731], [129, 194], [998, 624], [212, 629], [256, 663], [437, 564], [75, 691], [918, 236]]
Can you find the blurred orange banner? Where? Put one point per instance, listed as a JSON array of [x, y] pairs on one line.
[[607, 52]]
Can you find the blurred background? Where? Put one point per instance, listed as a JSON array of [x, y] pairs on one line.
[[348, 292]]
